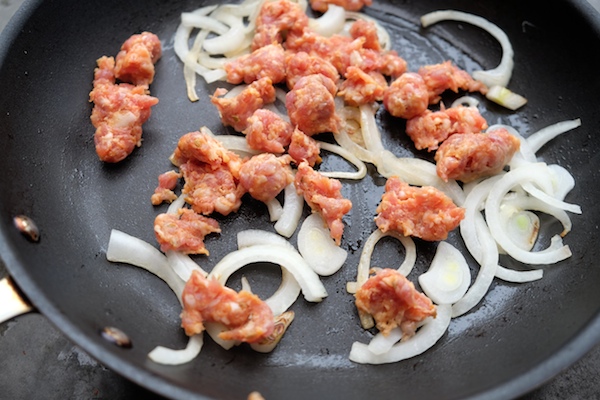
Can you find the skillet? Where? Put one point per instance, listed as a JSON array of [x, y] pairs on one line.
[[529, 332]]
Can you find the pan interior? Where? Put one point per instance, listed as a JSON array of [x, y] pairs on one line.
[[51, 173]]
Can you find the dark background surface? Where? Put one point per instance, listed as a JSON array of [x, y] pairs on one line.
[[38, 362]]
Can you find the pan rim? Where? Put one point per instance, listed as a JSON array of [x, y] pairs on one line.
[[579, 345]]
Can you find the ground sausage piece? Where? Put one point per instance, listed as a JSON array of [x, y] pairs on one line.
[[236, 110], [311, 105], [304, 148], [407, 96], [135, 62], [393, 302], [164, 191], [391, 64], [367, 30], [118, 113], [302, 64], [361, 88], [265, 175], [267, 131], [446, 76], [202, 146], [267, 61], [184, 232], [424, 212], [276, 19], [350, 5], [324, 196], [431, 128], [209, 189], [246, 317], [471, 156]]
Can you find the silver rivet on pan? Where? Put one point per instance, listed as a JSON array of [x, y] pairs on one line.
[[27, 227], [116, 336]]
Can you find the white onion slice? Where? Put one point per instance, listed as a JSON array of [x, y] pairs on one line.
[[448, 276], [330, 23], [237, 144], [466, 101], [293, 205], [424, 339], [538, 139], [213, 329], [522, 226], [183, 265], [361, 167], [128, 249], [505, 97], [275, 209], [165, 356], [382, 343], [562, 181], [499, 76], [318, 248], [364, 264], [253, 237], [312, 287], [511, 275], [492, 214]]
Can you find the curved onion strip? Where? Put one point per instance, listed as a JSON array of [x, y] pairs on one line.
[[253, 237], [200, 20], [562, 181], [230, 41], [467, 101], [424, 339], [330, 22], [183, 265], [492, 214], [165, 356], [178, 203], [370, 131], [237, 144], [499, 76], [318, 248], [344, 140], [289, 290], [362, 168], [275, 209], [213, 329], [312, 288], [551, 200], [511, 275], [381, 343], [293, 205], [364, 263], [487, 271], [540, 138], [505, 97], [128, 249]]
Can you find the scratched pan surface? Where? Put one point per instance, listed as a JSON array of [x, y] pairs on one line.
[[518, 337]]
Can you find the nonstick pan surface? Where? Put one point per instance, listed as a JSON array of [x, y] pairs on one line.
[[519, 335]]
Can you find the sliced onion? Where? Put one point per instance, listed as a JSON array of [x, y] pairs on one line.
[[544, 135], [381, 343], [562, 181], [275, 209], [318, 248], [499, 76], [230, 41], [466, 101], [505, 97], [361, 167], [237, 144], [128, 249], [364, 264], [183, 265], [312, 288], [425, 338], [253, 237], [523, 227], [492, 214], [166, 356], [330, 23], [293, 205], [511, 275], [213, 329], [448, 276], [382, 34]]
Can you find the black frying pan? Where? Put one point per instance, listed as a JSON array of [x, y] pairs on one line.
[[519, 336]]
